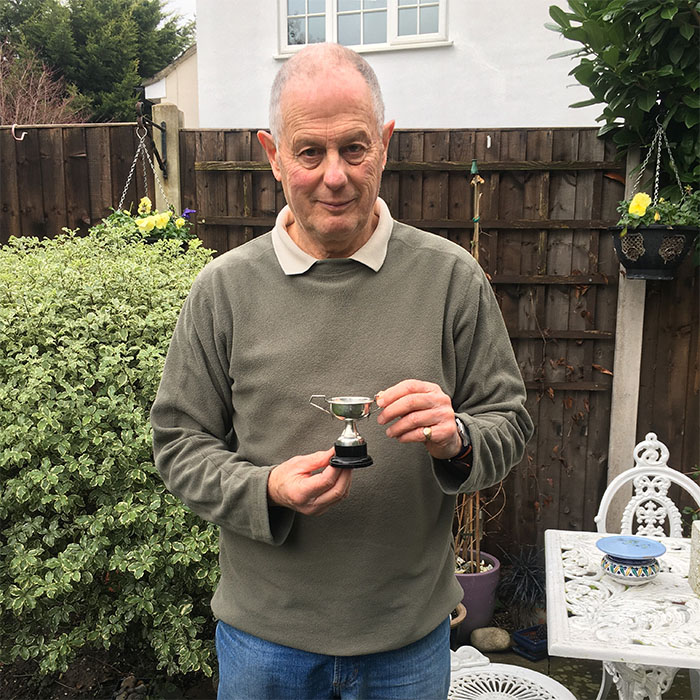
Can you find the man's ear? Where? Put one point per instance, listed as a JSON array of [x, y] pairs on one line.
[[268, 143], [387, 131]]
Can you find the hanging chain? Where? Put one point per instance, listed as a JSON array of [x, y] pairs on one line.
[[131, 171], [657, 141], [142, 151], [673, 162], [143, 168], [657, 170]]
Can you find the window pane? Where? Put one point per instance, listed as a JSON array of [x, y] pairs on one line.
[[349, 30], [296, 7], [347, 5], [373, 4], [317, 30], [295, 31], [317, 6], [374, 28], [407, 2], [408, 21], [428, 20]]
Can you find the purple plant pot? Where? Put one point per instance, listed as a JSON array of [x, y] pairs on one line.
[[479, 598]]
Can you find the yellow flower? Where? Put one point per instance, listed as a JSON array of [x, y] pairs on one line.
[[639, 204], [162, 219], [145, 206], [657, 216], [146, 225], [179, 222]]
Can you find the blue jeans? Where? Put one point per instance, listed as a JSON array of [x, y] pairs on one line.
[[253, 669]]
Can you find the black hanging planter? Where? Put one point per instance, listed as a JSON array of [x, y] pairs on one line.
[[653, 252]]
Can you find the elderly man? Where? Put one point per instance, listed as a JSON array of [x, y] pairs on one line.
[[336, 582]]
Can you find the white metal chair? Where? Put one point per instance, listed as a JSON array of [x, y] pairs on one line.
[[650, 505], [650, 512], [474, 677]]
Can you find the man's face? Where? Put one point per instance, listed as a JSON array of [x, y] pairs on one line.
[[329, 160]]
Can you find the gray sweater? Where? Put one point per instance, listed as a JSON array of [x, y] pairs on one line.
[[376, 571]]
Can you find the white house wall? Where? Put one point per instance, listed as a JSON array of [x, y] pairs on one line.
[[495, 73]]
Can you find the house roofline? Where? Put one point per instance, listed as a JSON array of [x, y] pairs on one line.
[[171, 66]]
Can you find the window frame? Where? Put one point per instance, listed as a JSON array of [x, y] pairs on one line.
[[394, 41]]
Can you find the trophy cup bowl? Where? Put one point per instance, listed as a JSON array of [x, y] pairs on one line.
[[350, 447]]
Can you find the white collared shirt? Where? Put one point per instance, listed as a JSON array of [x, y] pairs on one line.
[[294, 261]]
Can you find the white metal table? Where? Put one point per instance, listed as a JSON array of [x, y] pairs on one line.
[[643, 634]]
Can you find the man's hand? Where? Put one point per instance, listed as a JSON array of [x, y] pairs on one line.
[[294, 483], [415, 405]]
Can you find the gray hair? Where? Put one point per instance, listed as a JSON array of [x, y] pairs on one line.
[[309, 62]]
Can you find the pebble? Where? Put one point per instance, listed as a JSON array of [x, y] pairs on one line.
[[490, 639]]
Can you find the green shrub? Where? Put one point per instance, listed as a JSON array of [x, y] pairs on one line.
[[94, 552], [639, 59]]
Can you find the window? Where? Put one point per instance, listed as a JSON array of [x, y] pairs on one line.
[[365, 25], [421, 17], [306, 22]]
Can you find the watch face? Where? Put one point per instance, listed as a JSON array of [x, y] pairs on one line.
[[463, 433]]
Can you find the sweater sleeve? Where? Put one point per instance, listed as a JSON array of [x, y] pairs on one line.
[[193, 437], [489, 395]]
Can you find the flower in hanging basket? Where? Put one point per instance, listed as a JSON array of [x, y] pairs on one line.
[[641, 211], [145, 206], [149, 224]]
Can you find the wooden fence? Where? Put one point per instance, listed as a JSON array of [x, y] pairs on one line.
[[548, 196], [64, 176]]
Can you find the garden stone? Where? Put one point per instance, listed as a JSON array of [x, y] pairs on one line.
[[490, 639]]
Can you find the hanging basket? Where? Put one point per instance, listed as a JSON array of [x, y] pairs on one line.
[[653, 252]]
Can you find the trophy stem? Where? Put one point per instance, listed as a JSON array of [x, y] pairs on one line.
[[350, 436]]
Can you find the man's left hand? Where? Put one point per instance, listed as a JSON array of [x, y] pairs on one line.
[[421, 412]]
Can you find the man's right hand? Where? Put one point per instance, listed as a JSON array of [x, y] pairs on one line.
[[298, 484]]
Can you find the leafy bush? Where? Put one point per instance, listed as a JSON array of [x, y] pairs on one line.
[[93, 551], [639, 58]]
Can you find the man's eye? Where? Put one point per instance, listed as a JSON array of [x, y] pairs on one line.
[[310, 155], [354, 153]]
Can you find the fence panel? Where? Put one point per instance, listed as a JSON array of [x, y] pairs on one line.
[[546, 199], [66, 176]]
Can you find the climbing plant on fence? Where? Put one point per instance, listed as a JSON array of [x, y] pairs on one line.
[[93, 551]]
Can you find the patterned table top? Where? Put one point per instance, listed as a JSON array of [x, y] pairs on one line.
[[592, 616]]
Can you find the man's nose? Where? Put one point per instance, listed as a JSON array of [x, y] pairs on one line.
[[334, 176]]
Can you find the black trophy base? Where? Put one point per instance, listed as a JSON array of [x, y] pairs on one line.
[[351, 457]]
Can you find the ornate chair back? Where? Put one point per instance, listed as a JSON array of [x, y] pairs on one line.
[[650, 506]]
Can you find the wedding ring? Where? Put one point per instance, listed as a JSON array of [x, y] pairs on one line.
[[428, 433]]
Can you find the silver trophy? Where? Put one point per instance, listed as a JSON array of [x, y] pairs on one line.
[[350, 447]]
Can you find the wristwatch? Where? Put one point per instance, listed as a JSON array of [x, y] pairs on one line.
[[463, 457], [463, 434]]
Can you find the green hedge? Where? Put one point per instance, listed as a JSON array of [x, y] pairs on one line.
[[94, 552]]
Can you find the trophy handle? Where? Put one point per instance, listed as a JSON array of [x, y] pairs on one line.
[[315, 405], [376, 409]]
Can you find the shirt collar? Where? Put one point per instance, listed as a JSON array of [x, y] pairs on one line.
[[294, 261]]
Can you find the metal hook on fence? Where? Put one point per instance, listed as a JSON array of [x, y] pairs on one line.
[[143, 121], [15, 137]]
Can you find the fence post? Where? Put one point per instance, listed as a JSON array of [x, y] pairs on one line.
[[173, 118], [629, 330]]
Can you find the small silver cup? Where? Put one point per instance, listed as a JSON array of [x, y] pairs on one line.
[[350, 447]]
